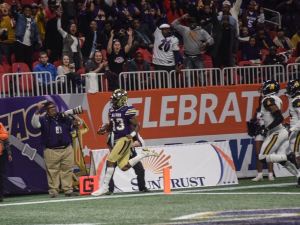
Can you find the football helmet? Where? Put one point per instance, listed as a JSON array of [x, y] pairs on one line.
[[119, 98], [293, 88], [270, 87]]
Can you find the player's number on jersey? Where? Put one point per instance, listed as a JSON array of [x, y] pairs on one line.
[[164, 46], [118, 124]]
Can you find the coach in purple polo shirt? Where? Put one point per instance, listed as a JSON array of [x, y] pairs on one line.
[[59, 155]]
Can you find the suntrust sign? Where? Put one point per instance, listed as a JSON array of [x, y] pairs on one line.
[[192, 165]]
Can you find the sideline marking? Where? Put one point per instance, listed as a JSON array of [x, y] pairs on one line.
[[208, 214], [151, 194]]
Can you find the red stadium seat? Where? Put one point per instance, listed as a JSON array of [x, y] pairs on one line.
[[35, 63], [26, 80], [57, 63], [81, 71], [7, 68], [6, 82], [19, 67]]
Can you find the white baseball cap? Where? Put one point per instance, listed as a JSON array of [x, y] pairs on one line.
[[164, 25], [226, 2]]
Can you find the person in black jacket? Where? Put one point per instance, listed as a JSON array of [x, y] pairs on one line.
[[92, 41]]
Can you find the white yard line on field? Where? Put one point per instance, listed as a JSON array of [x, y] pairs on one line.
[[130, 195]]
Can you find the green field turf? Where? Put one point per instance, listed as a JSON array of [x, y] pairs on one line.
[[152, 208]]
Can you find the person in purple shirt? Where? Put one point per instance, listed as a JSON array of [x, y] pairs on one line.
[[58, 154]]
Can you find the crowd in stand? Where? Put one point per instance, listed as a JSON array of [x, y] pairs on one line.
[[112, 36]]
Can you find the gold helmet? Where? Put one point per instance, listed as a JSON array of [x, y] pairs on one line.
[[119, 98]]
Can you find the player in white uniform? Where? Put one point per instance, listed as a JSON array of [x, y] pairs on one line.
[[259, 139], [275, 147], [293, 92]]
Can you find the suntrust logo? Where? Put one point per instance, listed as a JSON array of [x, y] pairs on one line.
[[157, 164]]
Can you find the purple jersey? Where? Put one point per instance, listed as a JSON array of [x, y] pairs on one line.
[[120, 119]]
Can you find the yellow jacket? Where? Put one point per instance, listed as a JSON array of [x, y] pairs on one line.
[[7, 22]]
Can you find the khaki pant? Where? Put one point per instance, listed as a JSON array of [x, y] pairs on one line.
[[59, 163], [121, 152]]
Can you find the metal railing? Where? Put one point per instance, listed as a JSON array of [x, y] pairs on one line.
[[86, 83], [196, 77], [37, 83], [293, 71], [253, 74], [144, 80], [272, 17], [26, 84]]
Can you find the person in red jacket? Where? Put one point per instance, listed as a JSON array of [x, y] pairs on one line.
[[5, 153]]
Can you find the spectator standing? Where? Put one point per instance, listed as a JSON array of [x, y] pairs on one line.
[[142, 35], [7, 33], [195, 41], [53, 40], [166, 49], [92, 41], [71, 43], [58, 154], [40, 19], [225, 45], [117, 55], [5, 153], [27, 36]]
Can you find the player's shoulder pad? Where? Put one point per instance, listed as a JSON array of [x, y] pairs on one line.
[[130, 111], [269, 101], [296, 103]]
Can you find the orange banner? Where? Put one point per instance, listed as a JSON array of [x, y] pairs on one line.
[[169, 113]]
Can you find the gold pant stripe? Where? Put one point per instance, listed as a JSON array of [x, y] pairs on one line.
[[297, 142], [125, 146], [271, 144]]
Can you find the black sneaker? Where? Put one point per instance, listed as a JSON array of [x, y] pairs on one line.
[[146, 190], [1, 199], [298, 182], [71, 194]]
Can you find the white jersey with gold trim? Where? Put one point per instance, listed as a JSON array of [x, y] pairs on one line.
[[267, 117]]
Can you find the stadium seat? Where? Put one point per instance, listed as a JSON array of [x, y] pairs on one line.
[[292, 60], [7, 68], [208, 63], [57, 63], [25, 80], [6, 82], [81, 70], [19, 67], [35, 63]]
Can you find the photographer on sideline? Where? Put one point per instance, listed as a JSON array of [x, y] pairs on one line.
[[56, 130]]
